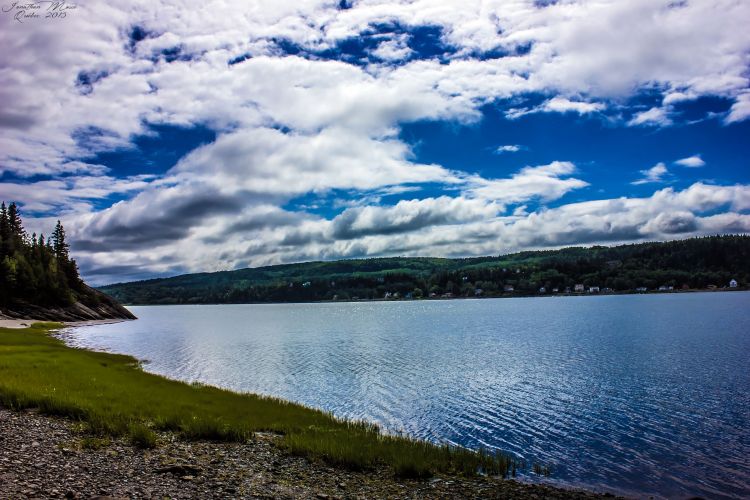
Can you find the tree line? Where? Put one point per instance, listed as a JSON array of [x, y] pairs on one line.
[[33, 268], [696, 263]]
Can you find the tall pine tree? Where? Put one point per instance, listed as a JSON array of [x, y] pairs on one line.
[[37, 271]]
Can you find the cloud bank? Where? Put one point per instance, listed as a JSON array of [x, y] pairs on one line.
[[308, 100]]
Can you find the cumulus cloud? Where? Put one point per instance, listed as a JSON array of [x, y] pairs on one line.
[[544, 182], [658, 117], [410, 215], [393, 50], [291, 120], [655, 174], [740, 109], [509, 148], [563, 105], [694, 161], [71, 193]]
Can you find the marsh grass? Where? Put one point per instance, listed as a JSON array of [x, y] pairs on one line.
[[112, 396], [94, 443]]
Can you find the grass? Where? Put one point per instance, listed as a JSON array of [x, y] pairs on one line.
[[112, 396]]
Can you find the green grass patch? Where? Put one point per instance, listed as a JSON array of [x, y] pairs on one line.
[[94, 443], [112, 396]]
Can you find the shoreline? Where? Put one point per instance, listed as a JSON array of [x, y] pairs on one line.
[[438, 299], [51, 457], [35, 444], [27, 322]]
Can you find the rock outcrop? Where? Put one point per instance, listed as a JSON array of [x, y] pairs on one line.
[[94, 305]]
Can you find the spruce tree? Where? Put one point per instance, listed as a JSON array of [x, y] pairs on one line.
[[60, 245]]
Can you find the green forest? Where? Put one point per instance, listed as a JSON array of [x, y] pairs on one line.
[[696, 263], [34, 269]]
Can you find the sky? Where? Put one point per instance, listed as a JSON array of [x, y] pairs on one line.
[[173, 136]]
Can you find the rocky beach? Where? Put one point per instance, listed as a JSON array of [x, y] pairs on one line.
[[51, 457]]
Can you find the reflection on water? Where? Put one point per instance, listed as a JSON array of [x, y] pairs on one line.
[[644, 395]]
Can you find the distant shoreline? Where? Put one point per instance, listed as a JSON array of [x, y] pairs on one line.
[[438, 299]]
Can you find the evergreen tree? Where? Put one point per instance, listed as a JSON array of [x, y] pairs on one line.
[[36, 270], [4, 231], [60, 246]]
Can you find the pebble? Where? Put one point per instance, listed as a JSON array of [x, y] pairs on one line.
[[42, 457]]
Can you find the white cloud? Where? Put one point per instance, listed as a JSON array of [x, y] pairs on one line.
[[694, 161], [509, 148], [288, 125], [71, 193], [598, 50], [563, 105], [655, 174], [740, 109], [545, 183], [260, 234], [393, 50], [658, 117], [268, 161]]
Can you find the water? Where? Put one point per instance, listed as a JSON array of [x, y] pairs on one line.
[[640, 395]]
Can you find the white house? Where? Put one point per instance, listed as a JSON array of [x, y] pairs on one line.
[[578, 288], [733, 284]]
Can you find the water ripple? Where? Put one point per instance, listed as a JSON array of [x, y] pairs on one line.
[[641, 395]]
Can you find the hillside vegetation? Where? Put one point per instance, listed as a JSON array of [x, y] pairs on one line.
[[39, 280], [694, 263]]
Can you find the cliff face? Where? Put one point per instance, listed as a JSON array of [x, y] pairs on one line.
[[93, 305]]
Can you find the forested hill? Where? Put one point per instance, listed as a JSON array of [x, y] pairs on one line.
[[39, 280], [697, 263]]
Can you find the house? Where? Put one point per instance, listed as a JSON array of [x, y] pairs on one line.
[[508, 288], [542, 290], [306, 284], [733, 284], [579, 288], [555, 290], [447, 295], [593, 289], [663, 288], [387, 295], [478, 292], [641, 289]]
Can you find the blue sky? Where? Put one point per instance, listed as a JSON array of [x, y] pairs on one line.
[[171, 138]]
